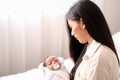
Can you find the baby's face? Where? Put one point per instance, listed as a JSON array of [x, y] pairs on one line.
[[53, 63]]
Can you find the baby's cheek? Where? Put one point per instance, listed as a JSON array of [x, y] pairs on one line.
[[51, 67]]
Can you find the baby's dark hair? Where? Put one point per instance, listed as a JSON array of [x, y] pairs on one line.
[[44, 64]]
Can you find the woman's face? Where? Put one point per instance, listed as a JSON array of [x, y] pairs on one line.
[[78, 30]]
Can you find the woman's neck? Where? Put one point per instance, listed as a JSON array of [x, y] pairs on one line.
[[90, 41]]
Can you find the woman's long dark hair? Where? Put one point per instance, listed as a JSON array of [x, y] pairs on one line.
[[95, 23], [75, 47], [76, 50]]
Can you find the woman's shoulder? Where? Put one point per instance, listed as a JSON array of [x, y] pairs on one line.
[[105, 54], [105, 50]]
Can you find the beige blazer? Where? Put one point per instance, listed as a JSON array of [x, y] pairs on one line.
[[99, 63]]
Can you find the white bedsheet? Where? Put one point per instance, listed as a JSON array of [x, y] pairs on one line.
[[34, 74]]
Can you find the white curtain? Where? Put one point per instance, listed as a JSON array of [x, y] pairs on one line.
[[30, 30]]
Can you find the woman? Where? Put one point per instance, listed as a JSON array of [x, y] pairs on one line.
[[98, 60], [74, 46]]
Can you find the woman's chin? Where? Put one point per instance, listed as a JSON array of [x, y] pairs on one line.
[[82, 42]]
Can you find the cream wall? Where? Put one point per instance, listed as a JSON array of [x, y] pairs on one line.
[[111, 10]]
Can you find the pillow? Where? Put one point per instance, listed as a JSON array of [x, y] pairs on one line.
[[116, 39], [69, 64]]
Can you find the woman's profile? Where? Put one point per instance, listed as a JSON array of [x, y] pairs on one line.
[[98, 60]]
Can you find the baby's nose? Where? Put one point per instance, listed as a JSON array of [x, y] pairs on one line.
[[53, 62]]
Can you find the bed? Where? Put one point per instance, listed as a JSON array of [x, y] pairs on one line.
[[35, 74]]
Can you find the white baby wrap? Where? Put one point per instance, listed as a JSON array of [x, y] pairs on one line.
[[61, 74], [55, 75]]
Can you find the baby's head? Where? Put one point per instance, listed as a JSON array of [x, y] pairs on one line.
[[52, 63]]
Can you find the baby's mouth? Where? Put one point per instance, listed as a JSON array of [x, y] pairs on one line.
[[56, 66]]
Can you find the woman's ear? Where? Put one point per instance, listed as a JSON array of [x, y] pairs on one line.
[[82, 23], [81, 20]]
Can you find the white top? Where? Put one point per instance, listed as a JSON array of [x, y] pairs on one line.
[[99, 63]]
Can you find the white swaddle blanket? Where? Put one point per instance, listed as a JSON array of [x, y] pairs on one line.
[[61, 74], [55, 75]]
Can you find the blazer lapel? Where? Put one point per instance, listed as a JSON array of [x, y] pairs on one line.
[[91, 50]]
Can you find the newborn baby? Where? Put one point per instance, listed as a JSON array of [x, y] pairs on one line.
[[54, 69], [53, 63]]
